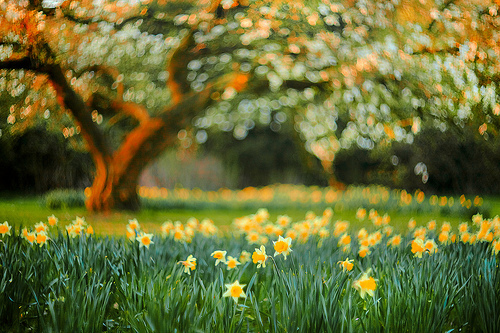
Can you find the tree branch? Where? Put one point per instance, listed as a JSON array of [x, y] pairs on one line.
[[21, 63]]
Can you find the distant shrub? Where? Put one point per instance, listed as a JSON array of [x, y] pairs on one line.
[[437, 162], [64, 198]]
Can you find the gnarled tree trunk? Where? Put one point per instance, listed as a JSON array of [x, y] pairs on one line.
[[116, 179]]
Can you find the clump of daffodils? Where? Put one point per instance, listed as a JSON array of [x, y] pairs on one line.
[[34, 237], [79, 227], [189, 264], [420, 246], [258, 228], [185, 232], [133, 229]]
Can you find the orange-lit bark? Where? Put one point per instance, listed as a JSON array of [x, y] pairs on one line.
[[116, 179]]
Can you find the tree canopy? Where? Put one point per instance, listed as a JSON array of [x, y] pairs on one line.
[[130, 76]]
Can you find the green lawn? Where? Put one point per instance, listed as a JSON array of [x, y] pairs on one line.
[[27, 211]]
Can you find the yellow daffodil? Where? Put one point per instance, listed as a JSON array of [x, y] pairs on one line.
[[208, 228], [39, 227], [284, 220], [430, 246], [340, 227], [412, 224], [166, 227], [41, 238], [52, 220], [192, 223], [388, 230], [90, 230], [394, 241], [364, 251], [347, 265], [235, 290], [134, 224], [323, 233], [130, 233], [259, 256], [232, 262], [362, 233], [377, 221], [345, 239], [495, 246], [420, 233], [431, 225], [365, 285], [361, 214], [5, 229], [453, 238], [261, 216], [189, 264], [417, 247], [291, 234], [328, 213], [463, 227], [245, 256], [464, 237], [253, 237], [269, 228], [144, 239], [178, 234], [79, 221], [477, 219], [31, 237], [444, 237], [310, 215], [282, 246], [446, 227], [220, 256], [472, 239]]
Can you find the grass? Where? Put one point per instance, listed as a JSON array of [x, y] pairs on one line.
[[27, 211]]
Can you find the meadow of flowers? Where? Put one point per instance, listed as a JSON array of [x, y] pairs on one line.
[[283, 196], [259, 275]]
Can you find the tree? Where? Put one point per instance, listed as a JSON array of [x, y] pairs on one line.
[[355, 72], [117, 168]]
